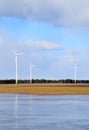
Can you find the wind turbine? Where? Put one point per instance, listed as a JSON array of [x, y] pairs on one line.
[[31, 66], [75, 62], [16, 60]]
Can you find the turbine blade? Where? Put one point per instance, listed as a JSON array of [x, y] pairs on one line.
[[14, 51], [20, 53]]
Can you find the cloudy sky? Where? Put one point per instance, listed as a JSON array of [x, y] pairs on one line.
[[49, 32]]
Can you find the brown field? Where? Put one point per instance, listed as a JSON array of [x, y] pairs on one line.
[[46, 89]]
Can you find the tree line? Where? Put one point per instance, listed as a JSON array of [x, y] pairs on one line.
[[12, 81]]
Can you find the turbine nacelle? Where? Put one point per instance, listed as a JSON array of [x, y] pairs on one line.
[[31, 65]]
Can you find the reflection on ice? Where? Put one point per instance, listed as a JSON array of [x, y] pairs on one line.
[[31, 112], [16, 111]]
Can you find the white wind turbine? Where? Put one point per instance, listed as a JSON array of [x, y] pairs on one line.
[[31, 66], [16, 60], [75, 62]]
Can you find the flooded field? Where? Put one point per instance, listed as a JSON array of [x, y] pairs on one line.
[[34, 112]]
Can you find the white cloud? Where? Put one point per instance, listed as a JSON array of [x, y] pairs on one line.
[[42, 45], [73, 52], [56, 12]]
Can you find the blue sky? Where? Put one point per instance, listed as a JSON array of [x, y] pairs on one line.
[[49, 33]]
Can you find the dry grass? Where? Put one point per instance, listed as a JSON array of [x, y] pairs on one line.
[[46, 89]]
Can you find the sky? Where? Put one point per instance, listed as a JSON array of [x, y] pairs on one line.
[[52, 34]]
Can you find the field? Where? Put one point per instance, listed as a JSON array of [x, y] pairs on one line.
[[46, 89]]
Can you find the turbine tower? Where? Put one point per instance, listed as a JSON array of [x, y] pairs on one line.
[[16, 60], [75, 71], [31, 66]]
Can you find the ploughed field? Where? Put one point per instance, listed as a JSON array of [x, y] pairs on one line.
[[46, 89]]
